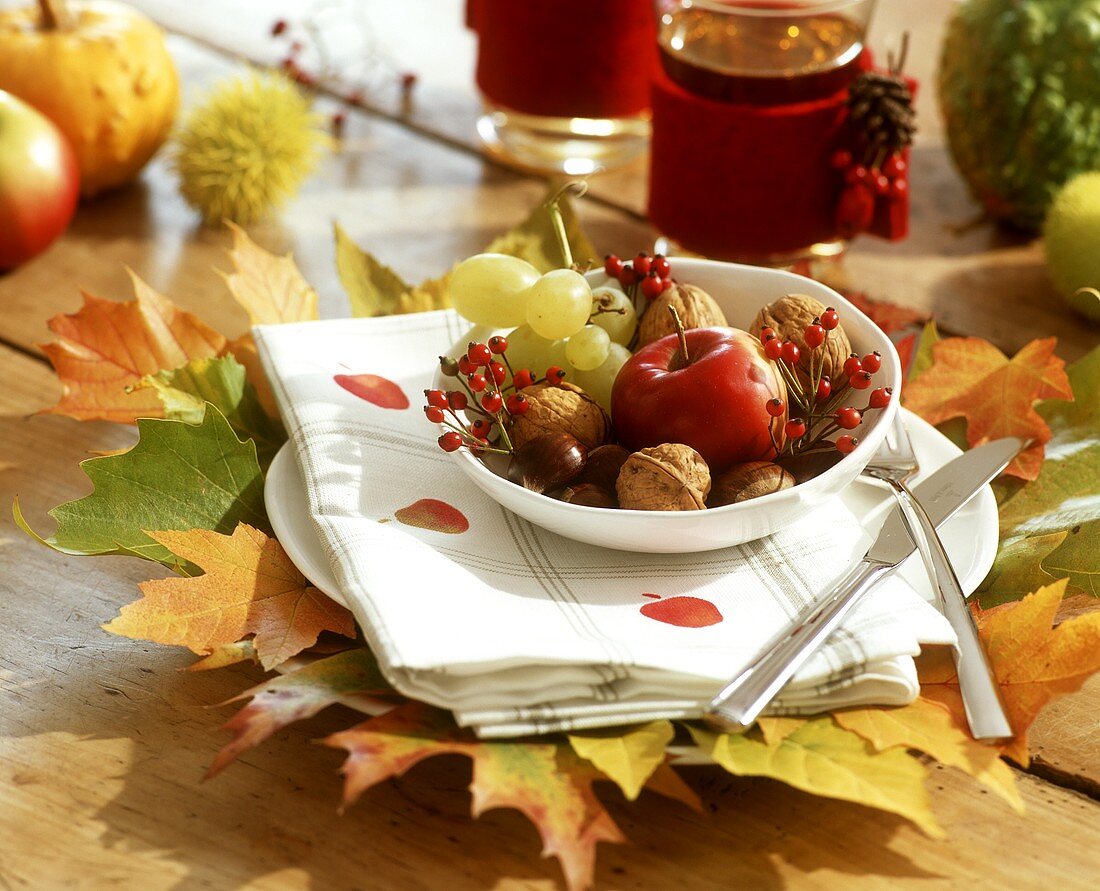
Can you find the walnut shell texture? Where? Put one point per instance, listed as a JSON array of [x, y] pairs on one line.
[[744, 481], [695, 307], [561, 408], [789, 316], [666, 477]]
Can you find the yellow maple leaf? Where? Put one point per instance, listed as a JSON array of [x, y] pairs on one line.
[[270, 288], [929, 727], [249, 586], [107, 347], [823, 759], [627, 755], [1034, 661]]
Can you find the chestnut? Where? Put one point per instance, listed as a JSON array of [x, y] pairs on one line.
[[547, 462], [604, 464], [590, 495]]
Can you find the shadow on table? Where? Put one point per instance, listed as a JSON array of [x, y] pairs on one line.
[[275, 809]]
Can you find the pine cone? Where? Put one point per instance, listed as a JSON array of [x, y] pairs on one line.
[[880, 112]]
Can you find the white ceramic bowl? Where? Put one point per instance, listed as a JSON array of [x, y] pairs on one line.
[[740, 291]]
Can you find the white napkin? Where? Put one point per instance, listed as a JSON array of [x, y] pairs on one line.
[[518, 630]]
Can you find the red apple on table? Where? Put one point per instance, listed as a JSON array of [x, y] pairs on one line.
[[713, 399], [39, 182]]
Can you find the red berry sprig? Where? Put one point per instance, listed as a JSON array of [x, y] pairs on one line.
[[486, 402], [650, 275], [815, 411]]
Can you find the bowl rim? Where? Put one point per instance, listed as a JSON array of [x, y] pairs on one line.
[[863, 452]]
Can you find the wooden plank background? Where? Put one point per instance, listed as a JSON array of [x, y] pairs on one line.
[[103, 741]]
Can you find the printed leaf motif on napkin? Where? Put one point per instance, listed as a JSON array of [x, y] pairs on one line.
[[375, 389], [434, 515], [296, 696], [970, 378], [1034, 661], [106, 348], [178, 476], [248, 586], [270, 288], [684, 612], [823, 759], [931, 728], [221, 382], [627, 755]]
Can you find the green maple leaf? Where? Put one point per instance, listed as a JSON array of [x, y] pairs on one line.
[[374, 289], [179, 476], [1055, 520], [222, 383]]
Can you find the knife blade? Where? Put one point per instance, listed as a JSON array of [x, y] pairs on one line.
[[740, 702]]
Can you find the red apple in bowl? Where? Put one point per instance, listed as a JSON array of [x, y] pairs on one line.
[[713, 399], [39, 182]]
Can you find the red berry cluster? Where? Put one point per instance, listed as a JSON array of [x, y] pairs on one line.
[[864, 185], [486, 401], [814, 395], [650, 275]]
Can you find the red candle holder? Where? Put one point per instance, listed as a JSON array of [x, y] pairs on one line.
[[750, 116], [565, 84]]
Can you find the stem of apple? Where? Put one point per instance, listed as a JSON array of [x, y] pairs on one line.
[[578, 187], [55, 16], [680, 333]]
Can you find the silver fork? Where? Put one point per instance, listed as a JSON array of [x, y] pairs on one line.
[[894, 464]]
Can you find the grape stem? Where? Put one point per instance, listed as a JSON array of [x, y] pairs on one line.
[[682, 335], [553, 210]]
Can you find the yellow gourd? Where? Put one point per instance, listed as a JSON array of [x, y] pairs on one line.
[[102, 73]]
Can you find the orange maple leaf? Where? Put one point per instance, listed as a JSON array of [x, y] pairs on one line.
[[1034, 661], [350, 677], [107, 347], [547, 782], [890, 317], [970, 378], [249, 586]]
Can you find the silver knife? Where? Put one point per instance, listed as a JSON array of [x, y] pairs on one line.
[[741, 701]]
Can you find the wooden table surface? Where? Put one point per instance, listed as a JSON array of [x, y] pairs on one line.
[[103, 741]]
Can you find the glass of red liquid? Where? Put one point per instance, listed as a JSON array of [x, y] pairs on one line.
[[764, 84], [565, 83]]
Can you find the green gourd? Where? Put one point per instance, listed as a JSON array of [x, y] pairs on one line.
[[1019, 86]]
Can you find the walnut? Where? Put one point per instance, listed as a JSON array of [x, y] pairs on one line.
[[665, 477], [744, 481], [561, 408], [695, 307], [789, 316]]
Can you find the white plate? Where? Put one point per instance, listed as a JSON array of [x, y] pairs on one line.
[[740, 291], [970, 536]]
